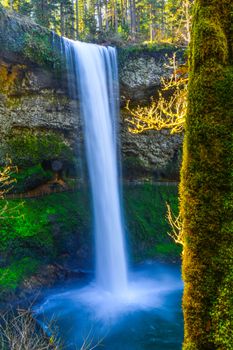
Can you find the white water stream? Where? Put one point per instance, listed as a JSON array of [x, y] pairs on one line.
[[93, 76]]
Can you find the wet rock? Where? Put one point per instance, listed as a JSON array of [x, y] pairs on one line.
[[47, 276]]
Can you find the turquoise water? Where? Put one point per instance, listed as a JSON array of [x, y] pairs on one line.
[[149, 318]]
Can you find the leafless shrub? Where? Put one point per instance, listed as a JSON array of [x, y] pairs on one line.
[[20, 331]]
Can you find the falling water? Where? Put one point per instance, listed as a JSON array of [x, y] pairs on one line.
[[93, 76]]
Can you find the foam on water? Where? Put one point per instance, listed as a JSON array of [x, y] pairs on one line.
[[142, 294], [149, 314]]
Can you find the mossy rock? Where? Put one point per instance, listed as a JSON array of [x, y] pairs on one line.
[[147, 226], [24, 40], [133, 167], [11, 276], [147, 50], [30, 178], [27, 148]]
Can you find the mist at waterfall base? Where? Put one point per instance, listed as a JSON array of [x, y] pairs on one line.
[[149, 318], [135, 310]]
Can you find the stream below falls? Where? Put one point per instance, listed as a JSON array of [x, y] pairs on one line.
[[148, 317]]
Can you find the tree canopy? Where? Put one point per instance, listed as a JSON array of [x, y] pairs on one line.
[[141, 20]]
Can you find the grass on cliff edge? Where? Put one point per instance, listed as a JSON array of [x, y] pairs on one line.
[[40, 228]]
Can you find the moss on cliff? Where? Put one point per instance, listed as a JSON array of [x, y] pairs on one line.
[[30, 178], [30, 147], [40, 47], [47, 228], [145, 50], [145, 207], [206, 183], [12, 275], [40, 230], [133, 168], [21, 36]]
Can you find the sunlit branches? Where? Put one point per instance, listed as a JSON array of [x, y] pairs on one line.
[[175, 223], [168, 111]]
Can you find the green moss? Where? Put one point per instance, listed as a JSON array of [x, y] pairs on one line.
[[30, 178], [166, 249], [11, 276], [206, 181], [39, 48], [222, 313], [152, 49], [146, 211], [133, 167], [40, 229], [21, 36], [145, 215], [44, 228], [25, 230], [27, 147], [22, 175], [31, 226]]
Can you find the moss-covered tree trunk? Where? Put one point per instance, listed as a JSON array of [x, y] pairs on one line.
[[206, 190]]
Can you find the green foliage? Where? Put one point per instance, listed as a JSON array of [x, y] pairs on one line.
[[20, 35], [149, 49], [11, 276], [145, 207], [23, 229], [166, 249], [21, 176], [43, 228], [29, 148], [141, 20], [39, 48], [35, 218], [30, 178], [31, 230], [133, 167]]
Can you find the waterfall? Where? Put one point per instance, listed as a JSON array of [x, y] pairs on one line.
[[93, 77]]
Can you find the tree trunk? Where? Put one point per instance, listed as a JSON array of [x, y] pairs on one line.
[[99, 14], [62, 19], [132, 9], [163, 19], [115, 17], [126, 14], [206, 190], [106, 15], [152, 23], [187, 19], [73, 31], [77, 19]]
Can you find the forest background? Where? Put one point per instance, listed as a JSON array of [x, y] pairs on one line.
[[122, 20]]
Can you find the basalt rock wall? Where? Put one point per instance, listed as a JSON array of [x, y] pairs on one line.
[[37, 120]]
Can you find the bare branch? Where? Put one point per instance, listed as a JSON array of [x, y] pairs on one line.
[[166, 112], [176, 225]]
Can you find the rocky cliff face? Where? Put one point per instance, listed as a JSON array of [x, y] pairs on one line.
[[38, 124]]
